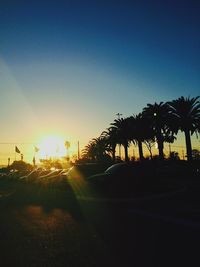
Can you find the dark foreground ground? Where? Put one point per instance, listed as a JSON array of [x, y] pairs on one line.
[[49, 225]]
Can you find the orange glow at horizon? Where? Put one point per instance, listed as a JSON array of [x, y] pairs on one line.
[[52, 146]]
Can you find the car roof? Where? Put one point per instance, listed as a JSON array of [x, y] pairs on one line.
[[119, 167]]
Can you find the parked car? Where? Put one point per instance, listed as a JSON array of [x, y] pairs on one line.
[[125, 177]]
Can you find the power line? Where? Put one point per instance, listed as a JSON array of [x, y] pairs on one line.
[[17, 143]]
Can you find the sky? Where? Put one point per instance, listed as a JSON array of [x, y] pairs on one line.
[[67, 67]]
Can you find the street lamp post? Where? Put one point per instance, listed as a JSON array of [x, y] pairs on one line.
[[119, 115]]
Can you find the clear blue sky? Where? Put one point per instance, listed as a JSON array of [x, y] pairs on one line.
[[69, 66]]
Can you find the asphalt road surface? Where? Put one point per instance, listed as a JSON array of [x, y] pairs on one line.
[[71, 226]]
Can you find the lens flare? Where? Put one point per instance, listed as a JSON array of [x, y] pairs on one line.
[[52, 146]]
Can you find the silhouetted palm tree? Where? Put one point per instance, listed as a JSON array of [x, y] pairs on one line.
[[89, 151], [185, 115], [101, 147], [112, 140], [122, 127], [96, 149], [67, 146], [141, 130], [158, 114]]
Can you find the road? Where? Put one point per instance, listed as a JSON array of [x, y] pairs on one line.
[[71, 226]]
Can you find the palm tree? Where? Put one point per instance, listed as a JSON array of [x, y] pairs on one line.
[[122, 128], [185, 115], [96, 149], [140, 131], [101, 147], [158, 115], [67, 146], [112, 140], [89, 151]]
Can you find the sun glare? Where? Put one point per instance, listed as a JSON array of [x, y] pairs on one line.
[[52, 146]]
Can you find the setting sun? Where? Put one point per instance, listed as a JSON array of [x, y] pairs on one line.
[[52, 146]]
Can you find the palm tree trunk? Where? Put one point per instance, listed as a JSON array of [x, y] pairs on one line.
[[151, 155], [140, 150], [126, 152], [188, 145], [113, 154], [160, 145], [120, 156], [160, 149]]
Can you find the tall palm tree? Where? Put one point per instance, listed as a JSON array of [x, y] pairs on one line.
[[67, 146], [185, 114], [140, 131], [112, 140], [158, 114], [122, 128]]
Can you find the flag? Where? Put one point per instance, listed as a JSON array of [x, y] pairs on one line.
[[36, 149], [17, 150]]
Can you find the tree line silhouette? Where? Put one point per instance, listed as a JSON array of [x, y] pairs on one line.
[[158, 122]]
